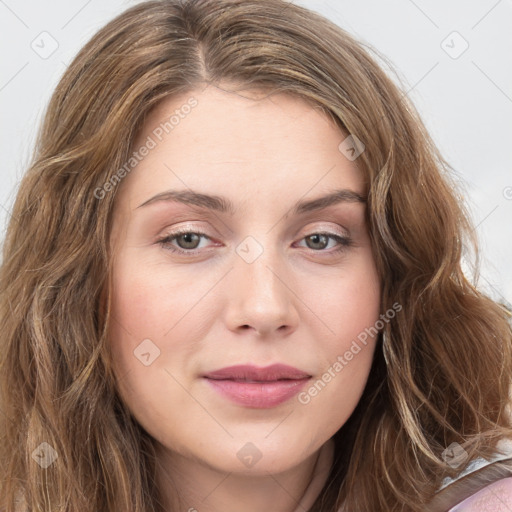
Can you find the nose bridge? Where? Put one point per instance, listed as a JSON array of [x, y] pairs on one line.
[[259, 294], [256, 263]]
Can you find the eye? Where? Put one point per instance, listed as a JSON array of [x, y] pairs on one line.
[[187, 241], [319, 241]]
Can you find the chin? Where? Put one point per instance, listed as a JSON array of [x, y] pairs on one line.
[[259, 457]]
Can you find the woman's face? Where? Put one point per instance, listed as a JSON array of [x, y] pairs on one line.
[[268, 274]]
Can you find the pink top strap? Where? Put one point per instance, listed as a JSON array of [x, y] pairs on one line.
[[496, 497]]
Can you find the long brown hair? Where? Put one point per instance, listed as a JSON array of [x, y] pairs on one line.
[[441, 372]]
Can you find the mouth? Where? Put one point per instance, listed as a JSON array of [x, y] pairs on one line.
[[255, 387], [252, 381], [250, 373]]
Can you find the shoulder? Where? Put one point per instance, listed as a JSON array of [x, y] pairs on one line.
[[503, 453], [484, 485], [495, 497]]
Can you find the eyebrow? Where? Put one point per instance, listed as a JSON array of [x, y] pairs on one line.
[[224, 205]]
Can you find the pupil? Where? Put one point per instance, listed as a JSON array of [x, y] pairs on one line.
[[316, 238], [187, 237]]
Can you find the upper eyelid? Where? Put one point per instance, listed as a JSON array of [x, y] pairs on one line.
[[184, 230], [339, 230]]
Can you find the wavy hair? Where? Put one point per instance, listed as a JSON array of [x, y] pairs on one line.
[[441, 370]]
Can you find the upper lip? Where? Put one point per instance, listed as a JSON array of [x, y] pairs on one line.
[[248, 372]]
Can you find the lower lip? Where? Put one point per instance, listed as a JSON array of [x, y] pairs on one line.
[[262, 395]]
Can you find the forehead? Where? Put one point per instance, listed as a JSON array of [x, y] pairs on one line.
[[212, 139]]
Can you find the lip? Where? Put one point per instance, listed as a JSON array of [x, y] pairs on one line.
[[261, 374], [256, 387]]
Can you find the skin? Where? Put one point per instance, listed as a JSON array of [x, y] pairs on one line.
[[299, 302]]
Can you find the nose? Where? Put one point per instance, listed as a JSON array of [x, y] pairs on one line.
[[261, 296]]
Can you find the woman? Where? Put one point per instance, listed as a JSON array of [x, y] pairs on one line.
[[174, 338]]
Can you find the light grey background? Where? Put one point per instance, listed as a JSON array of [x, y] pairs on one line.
[[464, 97]]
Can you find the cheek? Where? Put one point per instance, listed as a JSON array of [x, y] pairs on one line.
[[155, 328], [140, 316], [146, 301], [136, 322], [333, 394], [351, 311], [349, 304]]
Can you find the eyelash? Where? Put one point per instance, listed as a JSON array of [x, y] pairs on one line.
[[344, 242]]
